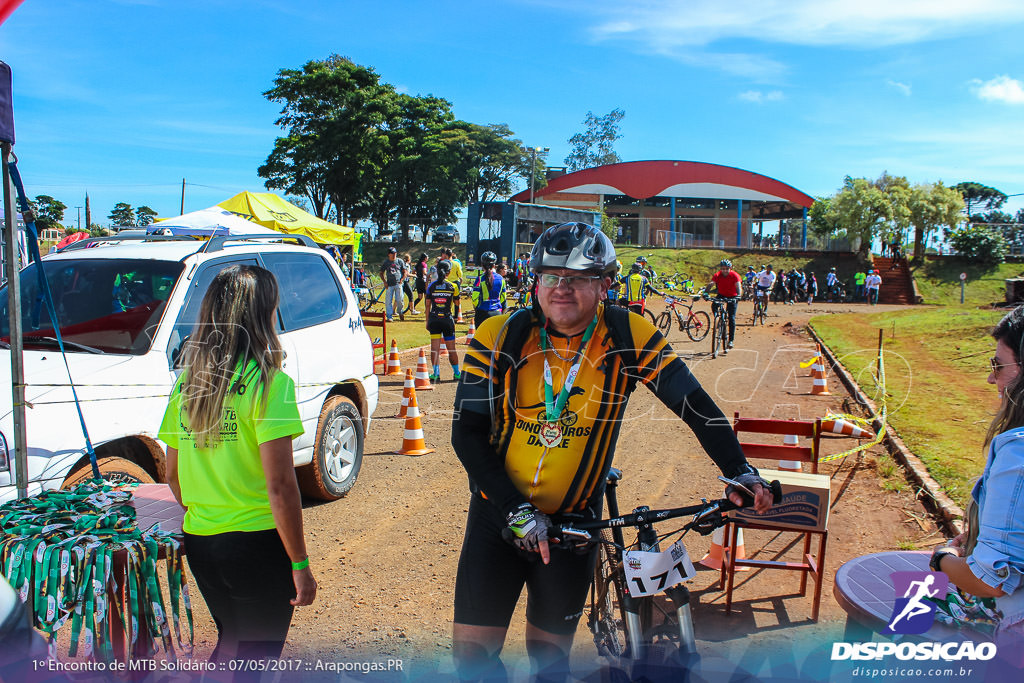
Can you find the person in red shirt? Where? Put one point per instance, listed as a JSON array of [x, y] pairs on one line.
[[727, 283]]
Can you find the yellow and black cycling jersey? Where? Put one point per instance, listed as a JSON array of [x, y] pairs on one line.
[[561, 467]]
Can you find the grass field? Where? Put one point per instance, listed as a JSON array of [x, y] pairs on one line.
[[939, 282], [936, 363]]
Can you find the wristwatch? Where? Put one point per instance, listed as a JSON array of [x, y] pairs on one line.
[[938, 554]]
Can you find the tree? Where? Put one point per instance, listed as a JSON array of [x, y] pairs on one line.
[[993, 217], [122, 215], [932, 206], [334, 111], [495, 159], [49, 211], [978, 196], [865, 208], [144, 216], [979, 243], [595, 145]]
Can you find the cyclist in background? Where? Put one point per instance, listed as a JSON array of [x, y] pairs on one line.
[[441, 295], [455, 277], [637, 287], [812, 288], [646, 270], [748, 281], [422, 269], [727, 284], [832, 284], [765, 283], [488, 290], [616, 286], [536, 421]]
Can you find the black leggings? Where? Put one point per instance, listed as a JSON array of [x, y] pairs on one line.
[[246, 579]]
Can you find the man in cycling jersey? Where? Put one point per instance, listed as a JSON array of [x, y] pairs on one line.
[[765, 282], [727, 284], [832, 284], [637, 287], [488, 290], [537, 417]]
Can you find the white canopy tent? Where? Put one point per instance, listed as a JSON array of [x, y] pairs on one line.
[[208, 223]]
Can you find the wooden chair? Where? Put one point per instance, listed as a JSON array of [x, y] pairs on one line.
[[371, 319], [810, 564]]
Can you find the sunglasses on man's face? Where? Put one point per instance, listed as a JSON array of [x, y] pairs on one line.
[[552, 281]]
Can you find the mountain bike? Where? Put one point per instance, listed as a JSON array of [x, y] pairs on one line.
[[720, 325], [371, 296], [760, 306], [696, 325], [633, 629]]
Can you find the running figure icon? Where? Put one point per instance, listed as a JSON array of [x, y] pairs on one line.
[[916, 606]]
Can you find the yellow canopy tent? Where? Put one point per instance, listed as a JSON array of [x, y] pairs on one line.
[[273, 212]]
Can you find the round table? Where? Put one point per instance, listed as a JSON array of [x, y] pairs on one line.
[[863, 588]]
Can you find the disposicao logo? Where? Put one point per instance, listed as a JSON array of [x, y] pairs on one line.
[[913, 613]]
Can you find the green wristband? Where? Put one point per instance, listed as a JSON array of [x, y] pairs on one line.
[[299, 566]]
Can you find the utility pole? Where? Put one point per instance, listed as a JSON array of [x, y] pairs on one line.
[[88, 214], [79, 209], [533, 165], [182, 196]]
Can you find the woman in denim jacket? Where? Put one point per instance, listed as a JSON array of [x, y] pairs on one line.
[[992, 565]]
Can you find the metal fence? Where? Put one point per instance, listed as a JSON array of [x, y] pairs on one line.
[[721, 232]]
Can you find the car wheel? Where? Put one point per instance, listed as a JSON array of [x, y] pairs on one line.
[[338, 451], [115, 470]]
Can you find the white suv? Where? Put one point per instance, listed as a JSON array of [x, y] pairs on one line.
[[125, 308]]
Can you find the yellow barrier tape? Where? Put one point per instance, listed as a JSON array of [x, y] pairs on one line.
[[881, 415], [809, 363]]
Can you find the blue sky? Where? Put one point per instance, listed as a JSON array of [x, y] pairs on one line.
[[124, 98]]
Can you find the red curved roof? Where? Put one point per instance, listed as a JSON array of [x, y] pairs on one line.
[[642, 179]]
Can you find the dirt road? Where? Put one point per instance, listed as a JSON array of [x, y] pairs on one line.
[[385, 556]]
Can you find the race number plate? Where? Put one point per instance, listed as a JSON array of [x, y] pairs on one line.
[[651, 573]]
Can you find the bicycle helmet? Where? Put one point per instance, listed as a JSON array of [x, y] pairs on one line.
[[832, 269], [635, 268], [618, 266], [573, 246], [444, 268], [725, 263], [488, 259], [423, 255], [392, 250]]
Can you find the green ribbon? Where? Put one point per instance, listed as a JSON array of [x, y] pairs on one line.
[[553, 408], [57, 548]]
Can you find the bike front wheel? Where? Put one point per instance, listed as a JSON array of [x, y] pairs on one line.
[[664, 323], [607, 620], [716, 336], [698, 325]]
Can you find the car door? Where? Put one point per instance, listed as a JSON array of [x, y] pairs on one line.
[[312, 310]]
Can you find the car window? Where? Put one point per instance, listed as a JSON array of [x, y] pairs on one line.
[[112, 305], [310, 294], [196, 290]]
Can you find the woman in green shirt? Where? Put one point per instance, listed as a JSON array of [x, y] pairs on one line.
[[229, 427]]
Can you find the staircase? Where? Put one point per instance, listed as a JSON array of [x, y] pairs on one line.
[[897, 284]]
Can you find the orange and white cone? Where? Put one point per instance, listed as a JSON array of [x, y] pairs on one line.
[[817, 360], [422, 373], [412, 438], [394, 365], [716, 554], [791, 465], [836, 425], [407, 392], [472, 331], [820, 387]]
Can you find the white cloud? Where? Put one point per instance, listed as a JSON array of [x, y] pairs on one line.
[[902, 87], [758, 97], [1000, 89], [685, 30], [868, 23]]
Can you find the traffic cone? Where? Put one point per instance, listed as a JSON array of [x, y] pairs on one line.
[[716, 554], [412, 439], [791, 465], [394, 365], [820, 387], [407, 390], [422, 373], [472, 331], [837, 425]]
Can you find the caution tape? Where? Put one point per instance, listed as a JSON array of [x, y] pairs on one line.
[[57, 551], [881, 415]]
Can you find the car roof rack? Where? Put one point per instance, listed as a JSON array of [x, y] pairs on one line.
[[92, 241], [217, 243]]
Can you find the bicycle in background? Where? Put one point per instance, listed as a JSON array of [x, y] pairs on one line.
[[719, 324], [696, 325], [760, 306]]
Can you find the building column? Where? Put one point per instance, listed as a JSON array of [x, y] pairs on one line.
[[739, 222], [803, 238]]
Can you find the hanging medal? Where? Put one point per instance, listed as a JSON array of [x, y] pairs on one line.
[[550, 433]]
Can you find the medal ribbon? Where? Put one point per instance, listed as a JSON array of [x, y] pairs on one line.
[[552, 407]]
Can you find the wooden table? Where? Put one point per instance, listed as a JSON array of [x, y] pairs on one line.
[[863, 588], [153, 503]]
